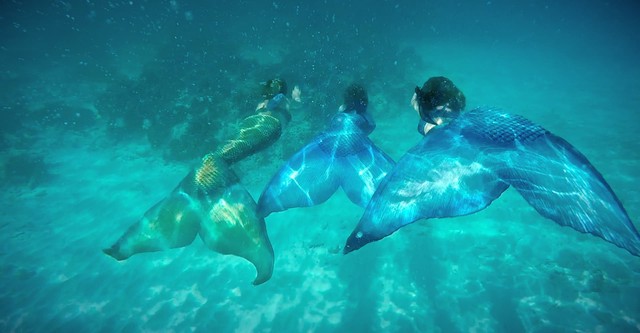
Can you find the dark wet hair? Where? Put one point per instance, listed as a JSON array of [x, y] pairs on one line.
[[439, 91], [356, 98], [274, 87]]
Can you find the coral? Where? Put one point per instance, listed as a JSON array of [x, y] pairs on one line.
[[189, 96]]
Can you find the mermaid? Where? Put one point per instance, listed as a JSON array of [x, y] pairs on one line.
[[211, 203], [341, 156], [467, 159]]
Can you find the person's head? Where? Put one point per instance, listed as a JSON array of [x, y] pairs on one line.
[[437, 97], [274, 87], [356, 98]]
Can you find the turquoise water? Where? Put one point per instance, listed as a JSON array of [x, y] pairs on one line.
[[106, 106]]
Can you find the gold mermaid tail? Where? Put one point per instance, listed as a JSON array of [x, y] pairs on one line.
[[208, 201], [233, 227], [256, 132], [171, 223]]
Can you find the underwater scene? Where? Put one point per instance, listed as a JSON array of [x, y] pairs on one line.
[[254, 166]]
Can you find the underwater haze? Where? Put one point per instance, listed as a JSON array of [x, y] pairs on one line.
[[106, 105]]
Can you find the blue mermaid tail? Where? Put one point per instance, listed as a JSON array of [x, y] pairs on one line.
[[461, 168], [342, 156]]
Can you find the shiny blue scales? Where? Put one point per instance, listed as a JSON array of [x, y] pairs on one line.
[[460, 168]]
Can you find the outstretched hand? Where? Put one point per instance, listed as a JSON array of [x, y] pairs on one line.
[[295, 94]]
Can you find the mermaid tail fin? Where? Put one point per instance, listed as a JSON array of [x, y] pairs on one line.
[[315, 172], [309, 178], [362, 172], [233, 227], [209, 202], [434, 179], [462, 167], [171, 223], [562, 185], [230, 223]]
